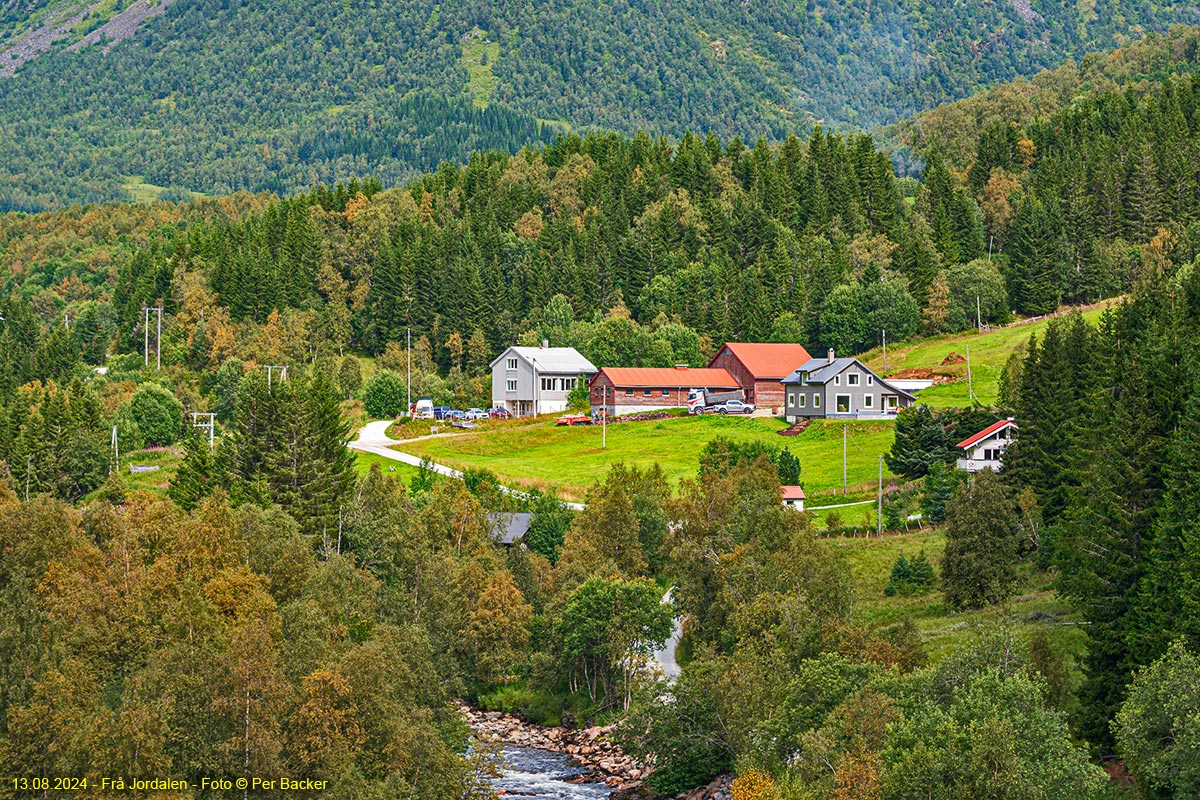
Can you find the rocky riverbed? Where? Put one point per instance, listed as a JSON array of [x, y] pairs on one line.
[[599, 759]]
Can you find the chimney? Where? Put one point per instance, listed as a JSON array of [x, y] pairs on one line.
[[831, 355], [545, 343]]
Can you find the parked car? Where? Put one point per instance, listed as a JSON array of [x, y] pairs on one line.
[[499, 413], [456, 413], [573, 419], [441, 412], [735, 407], [475, 413]]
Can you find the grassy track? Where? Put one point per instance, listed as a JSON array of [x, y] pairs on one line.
[[543, 455], [1033, 607], [989, 353]]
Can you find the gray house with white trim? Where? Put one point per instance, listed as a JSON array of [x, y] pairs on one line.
[[536, 380], [843, 388]]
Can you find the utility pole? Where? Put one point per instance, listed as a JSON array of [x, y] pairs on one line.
[[970, 385], [210, 426], [146, 336], [67, 321], [408, 380], [844, 460], [879, 512], [604, 418], [116, 451], [885, 351], [270, 368], [978, 316]]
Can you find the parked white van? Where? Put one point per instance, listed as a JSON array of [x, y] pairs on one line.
[[423, 409]]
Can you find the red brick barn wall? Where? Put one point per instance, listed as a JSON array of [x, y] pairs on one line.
[[727, 360], [617, 395], [769, 394]]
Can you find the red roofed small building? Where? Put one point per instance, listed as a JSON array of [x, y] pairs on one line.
[[628, 390], [985, 450], [759, 368], [793, 497]]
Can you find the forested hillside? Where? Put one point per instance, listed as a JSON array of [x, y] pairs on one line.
[[1137, 67], [810, 241], [216, 97], [265, 610]]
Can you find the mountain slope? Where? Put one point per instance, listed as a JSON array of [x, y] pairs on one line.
[[954, 128], [219, 95]]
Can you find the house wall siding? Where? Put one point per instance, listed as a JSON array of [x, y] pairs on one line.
[[529, 392]]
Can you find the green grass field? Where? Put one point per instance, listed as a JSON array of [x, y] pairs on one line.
[[989, 353], [363, 462], [1033, 606], [478, 56], [572, 459]]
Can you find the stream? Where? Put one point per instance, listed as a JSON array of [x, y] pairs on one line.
[[540, 773]]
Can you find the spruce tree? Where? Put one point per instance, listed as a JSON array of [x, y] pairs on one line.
[[979, 567]]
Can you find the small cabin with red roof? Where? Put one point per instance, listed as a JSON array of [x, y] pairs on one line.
[[760, 367], [985, 450], [629, 390], [793, 497]]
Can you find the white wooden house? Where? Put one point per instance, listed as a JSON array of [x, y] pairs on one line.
[[985, 450]]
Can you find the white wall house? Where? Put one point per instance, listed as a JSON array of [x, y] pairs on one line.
[[793, 497], [536, 380], [985, 450]]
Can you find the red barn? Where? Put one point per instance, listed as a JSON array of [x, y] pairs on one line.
[[759, 368], [628, 390]]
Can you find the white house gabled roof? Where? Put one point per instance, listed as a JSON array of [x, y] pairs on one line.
[[566, 360]]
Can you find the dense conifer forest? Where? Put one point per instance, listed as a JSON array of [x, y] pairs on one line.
[[318, 92]]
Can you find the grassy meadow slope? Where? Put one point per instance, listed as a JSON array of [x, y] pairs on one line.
[[989, 352], [1032, 607], [572, 459]]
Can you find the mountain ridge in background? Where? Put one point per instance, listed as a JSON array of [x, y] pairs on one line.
[[212, 96]]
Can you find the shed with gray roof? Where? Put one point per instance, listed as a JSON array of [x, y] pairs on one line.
[[509, 527]]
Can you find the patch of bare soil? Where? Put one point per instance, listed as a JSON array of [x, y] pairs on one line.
[[953, 358], [123, 25], [924, 374]]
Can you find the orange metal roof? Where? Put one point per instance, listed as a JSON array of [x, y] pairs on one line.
[[668, 377], [767, 360], [793, 493], [971, 441]]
